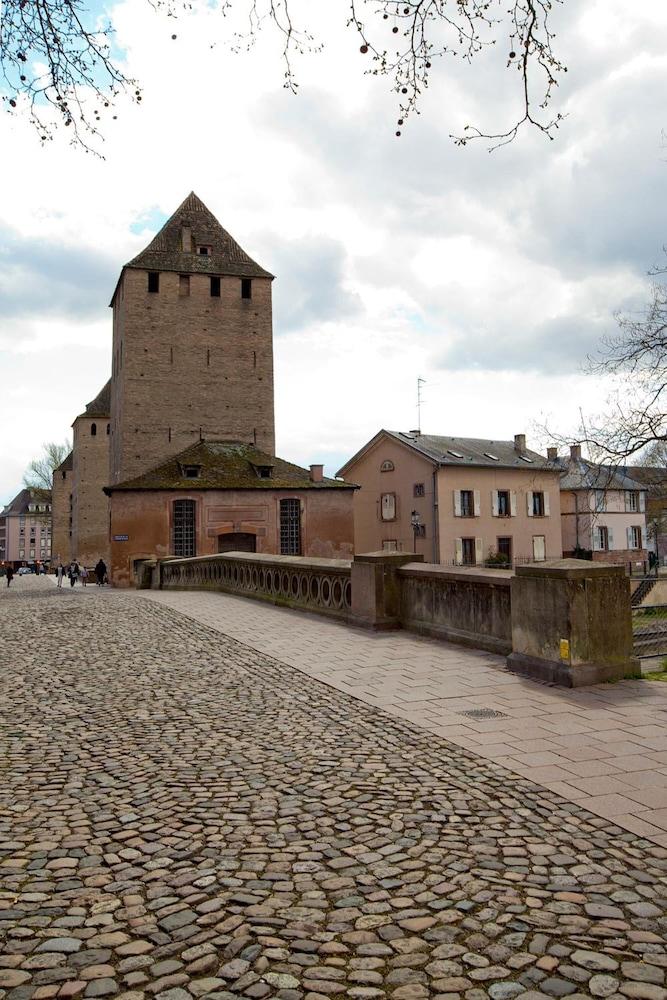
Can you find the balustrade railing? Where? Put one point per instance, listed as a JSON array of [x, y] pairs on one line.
[[321, 585]]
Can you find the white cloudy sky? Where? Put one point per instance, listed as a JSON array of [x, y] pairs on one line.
[[491, 276]]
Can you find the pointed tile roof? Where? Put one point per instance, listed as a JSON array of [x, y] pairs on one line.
[[165, 251], [101, 405]]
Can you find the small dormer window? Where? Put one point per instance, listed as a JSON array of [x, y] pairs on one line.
[[204, 251], [489, 454], [265, 471], [191, 471]]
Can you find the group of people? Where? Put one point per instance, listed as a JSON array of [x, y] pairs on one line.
[[76, 572]]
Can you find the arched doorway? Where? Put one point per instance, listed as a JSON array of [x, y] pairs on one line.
[[237, 541]]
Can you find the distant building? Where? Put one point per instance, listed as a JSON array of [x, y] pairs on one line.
[[25, 528], [458, 501], [223, 496], [654, 481], [603, 511]]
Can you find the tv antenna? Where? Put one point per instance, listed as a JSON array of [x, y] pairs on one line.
[[420, 383]]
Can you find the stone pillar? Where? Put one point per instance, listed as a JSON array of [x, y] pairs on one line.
[[376, 594], [572, 623]]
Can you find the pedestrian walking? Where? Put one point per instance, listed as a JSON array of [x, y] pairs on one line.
[[59, 574], [10, 574], [84, 576], [100, 571], [73, 573]]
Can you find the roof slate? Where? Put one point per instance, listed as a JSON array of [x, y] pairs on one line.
[[580, 474], [473, 451], [226, 465], [20, 503], [165, 252], [101, 405], [67, 463]]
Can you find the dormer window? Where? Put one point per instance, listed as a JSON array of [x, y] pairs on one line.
[[191, 471], [204, 251], [264, 471], [489, 454], [454, 454]]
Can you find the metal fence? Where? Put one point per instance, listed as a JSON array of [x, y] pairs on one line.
[[649, 628]]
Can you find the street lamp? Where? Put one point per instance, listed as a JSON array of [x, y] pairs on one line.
[[416, 525]]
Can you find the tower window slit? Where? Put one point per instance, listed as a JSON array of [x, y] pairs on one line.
[[215, 288], [153, 281], [246, 288]]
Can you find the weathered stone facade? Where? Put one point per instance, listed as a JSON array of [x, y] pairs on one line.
[[90, 505], [192, 346], [61, 512]]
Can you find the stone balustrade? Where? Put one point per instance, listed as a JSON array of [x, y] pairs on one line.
[[565, 622], [321, 585]]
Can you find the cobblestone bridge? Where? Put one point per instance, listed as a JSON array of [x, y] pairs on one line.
[[184, 816]]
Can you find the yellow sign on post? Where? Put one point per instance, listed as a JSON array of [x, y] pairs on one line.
[[565, 649]]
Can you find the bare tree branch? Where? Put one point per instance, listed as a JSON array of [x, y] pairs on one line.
[[55, 58], [39, 474]]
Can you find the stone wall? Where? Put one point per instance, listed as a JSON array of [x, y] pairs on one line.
[[90, 510], [188, 366], [471, 607], [61, 510]]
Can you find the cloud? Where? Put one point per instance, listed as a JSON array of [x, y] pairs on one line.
[[41, 278], [311, 283]]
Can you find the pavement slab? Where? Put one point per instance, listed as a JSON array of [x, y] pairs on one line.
[[182, 815]]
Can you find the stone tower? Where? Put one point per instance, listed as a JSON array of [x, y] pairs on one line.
[[192, 346], [90, 470]]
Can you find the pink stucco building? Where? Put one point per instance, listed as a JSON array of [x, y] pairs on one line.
[[25, 529], [457, 501]]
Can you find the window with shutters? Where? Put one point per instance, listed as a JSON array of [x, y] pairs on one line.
[[632, 500], [468, 551], [290, 527], [388, 507], [538, 504], [418, 490], [467, 503], [505, 548], [504, 503], [636, 537], [602, 538], [183, 528], [390, 545]]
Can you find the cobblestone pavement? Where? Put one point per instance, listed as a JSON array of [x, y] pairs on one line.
[[182, 816], [603, 747]]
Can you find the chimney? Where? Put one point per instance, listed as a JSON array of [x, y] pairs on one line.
[[552, 454], [316, 473], [520, 443], [575, 451]]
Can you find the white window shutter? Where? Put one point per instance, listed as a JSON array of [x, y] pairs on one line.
[[494, 502], [479, 551], [627, 500], [644, 538], [642, 501], [628, 533], [529, 503], [547, 508], [458, 545], [457, 503], [513, 503], [477, 502], [610, 539], [596, 540]]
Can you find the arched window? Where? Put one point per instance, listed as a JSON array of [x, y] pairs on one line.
[[183, 528], [387, 466], [93, 430]]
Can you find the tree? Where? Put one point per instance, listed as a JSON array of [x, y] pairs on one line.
[[39, 474], [635, 360], [58, 68]]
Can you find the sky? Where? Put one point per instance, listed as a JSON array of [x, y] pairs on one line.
[[490, 275]]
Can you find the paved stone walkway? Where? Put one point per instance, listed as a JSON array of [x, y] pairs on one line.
[[182, 816], [603, 747]]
